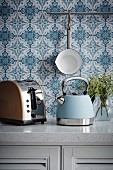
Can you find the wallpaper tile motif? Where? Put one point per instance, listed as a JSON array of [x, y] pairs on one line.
[[31, 39]]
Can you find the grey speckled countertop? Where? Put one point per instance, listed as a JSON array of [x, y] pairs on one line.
[[100, 133]]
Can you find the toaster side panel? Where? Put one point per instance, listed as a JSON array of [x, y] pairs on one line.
[[10, 101]]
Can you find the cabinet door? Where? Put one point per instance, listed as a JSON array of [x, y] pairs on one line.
[[88, 158], [29, 158]]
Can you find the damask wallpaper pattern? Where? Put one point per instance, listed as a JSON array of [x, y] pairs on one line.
[[31, 39]]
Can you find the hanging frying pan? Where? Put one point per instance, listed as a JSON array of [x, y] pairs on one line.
[[69, 60]]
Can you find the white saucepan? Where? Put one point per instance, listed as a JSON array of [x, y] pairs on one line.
[[69, 60]]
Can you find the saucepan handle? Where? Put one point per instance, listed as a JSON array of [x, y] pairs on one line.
[[75, 78], [68, 32]]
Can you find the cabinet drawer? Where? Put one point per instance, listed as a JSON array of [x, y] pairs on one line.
[[88, 158], [29, 158]]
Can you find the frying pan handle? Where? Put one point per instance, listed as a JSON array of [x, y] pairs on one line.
[[68, 31], [75, 78]]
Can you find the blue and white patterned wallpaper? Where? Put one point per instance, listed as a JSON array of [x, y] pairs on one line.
[[31, 39]]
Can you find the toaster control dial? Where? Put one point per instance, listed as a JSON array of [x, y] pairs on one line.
[[27, 100]]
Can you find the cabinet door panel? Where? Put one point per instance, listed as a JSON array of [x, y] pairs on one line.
[[87, 158], [29, 157], [93, 167], [22, 167], [25, 164], [92, 164]]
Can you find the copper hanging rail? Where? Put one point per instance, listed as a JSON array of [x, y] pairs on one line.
[[82, 13]]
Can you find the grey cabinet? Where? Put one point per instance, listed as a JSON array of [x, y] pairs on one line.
[[56, 157], [87, 158], [29, 158]]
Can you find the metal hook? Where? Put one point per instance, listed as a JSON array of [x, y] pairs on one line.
[[68, 26]]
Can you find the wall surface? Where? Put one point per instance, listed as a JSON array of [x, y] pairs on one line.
[[31, 39]]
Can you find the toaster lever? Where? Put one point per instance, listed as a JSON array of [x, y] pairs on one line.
[[33, 99]]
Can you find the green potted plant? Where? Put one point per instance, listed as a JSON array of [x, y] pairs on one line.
[[102, 87]]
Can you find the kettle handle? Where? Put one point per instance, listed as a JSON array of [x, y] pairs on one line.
[[75, 78]]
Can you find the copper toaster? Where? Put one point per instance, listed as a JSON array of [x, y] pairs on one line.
[[22, 102]]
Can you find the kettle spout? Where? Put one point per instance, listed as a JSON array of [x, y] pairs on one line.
[[60, 100]]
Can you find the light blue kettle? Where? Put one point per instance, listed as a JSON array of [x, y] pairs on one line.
[[75, 109]]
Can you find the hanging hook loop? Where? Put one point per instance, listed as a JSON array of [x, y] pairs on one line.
[[68, 26]]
